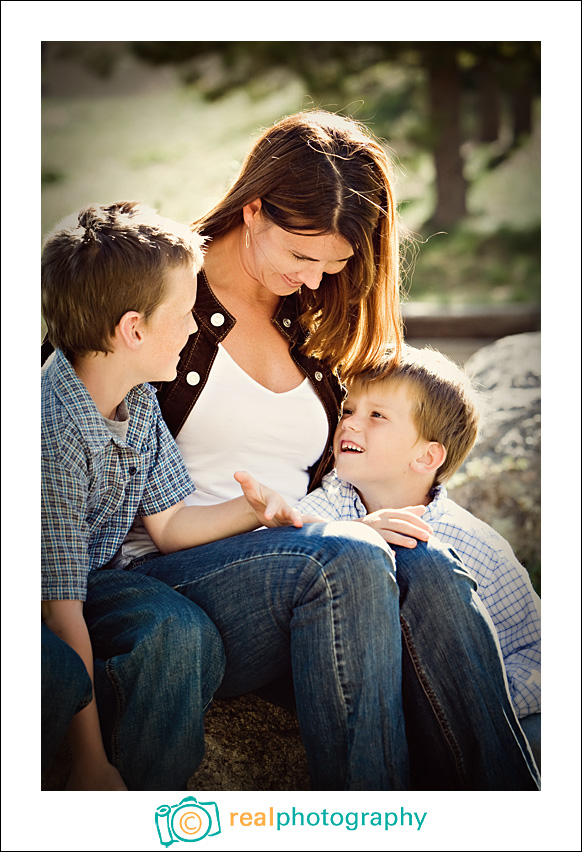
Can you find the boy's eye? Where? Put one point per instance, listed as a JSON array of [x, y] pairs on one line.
[[297, 256], [376, 414], [346, 411]]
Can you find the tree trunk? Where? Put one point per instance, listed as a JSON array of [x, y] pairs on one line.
[[444, 87], [489, 101], [521, 103]]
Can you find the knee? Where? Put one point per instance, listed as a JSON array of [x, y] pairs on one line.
[[186, 639], [355, 556], [64, 677], [434, 568]]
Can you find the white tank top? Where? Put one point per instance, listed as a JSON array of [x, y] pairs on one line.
[[237, 424]]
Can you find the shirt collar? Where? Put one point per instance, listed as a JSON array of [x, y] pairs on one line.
[[287, 319], [75, 397], [436, 507], [209, 312], [217, 321]]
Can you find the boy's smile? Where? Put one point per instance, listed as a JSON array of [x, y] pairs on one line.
[[376, 439]]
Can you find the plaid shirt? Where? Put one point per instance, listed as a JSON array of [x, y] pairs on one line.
[[93, 484], [504, 584]]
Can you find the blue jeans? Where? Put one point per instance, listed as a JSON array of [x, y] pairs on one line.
[[324, 600], [65, 689], [158, 661], [461, 727], [532, 728]]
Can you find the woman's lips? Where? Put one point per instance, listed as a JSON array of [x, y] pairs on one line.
[[291, 283]]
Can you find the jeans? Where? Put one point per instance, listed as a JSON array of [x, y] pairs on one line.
[[532, 728], [461, 727], [325, 601], [158, 661], [65, 689]]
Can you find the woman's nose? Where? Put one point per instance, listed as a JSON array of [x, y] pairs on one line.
[[312, 279]]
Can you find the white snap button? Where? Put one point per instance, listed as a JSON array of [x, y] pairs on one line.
[[193, 378], [319, 376], [217, 319], [286, 322]]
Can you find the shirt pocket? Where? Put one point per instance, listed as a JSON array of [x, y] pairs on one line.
[[112, 497]]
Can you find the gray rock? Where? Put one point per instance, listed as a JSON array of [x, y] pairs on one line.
[[500, 481]]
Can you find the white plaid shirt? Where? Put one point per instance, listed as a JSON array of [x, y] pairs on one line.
[[504, 584], [94, 484]]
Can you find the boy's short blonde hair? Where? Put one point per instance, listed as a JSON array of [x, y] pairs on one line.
[[445, 405], [106, 260]]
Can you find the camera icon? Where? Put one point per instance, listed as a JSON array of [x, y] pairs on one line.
[[189, 820]]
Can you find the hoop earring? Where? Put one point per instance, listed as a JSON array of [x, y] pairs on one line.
[[247, 239]]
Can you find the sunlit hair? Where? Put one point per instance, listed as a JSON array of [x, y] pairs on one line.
[[103, 261], [445, 405], [322, 173]]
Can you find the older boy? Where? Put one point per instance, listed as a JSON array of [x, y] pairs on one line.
[[118, 287], [403, 433]]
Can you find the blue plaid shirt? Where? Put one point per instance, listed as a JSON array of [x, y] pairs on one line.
[[93, 485], [504, 584]]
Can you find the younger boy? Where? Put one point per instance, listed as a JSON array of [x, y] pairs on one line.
[[404, 431], [118, 288]]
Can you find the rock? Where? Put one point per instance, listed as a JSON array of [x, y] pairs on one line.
[[500, 481], [251, 744]]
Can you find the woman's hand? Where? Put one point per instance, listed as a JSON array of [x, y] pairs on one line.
[[399, 526], [269, 507]]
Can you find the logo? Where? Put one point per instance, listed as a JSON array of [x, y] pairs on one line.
[[190, 820]]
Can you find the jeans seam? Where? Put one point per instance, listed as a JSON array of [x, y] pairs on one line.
[[234, 562], [334, 642], [432, 699], [120, 704]]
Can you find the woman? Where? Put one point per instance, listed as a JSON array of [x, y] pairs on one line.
[[300, 287]]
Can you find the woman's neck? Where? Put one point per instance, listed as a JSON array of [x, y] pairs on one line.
[[231, 278]]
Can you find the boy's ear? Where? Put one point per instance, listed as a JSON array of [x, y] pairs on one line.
[[431, 458], [129, 330]]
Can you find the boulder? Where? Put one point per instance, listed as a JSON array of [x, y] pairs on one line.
[[500, 481]]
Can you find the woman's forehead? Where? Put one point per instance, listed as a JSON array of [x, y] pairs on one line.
[[316, 246]]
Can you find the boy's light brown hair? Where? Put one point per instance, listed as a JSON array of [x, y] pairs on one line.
[[445, 404], [106, 260]]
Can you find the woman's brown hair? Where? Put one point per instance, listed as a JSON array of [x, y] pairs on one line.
[[323, 173]]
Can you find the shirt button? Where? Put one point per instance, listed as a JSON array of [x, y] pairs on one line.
[[217, 319], [319, 376], [286, 322], [193, 378], [132, 471]]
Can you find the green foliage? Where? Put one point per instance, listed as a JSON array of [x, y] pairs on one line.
[[465, 266]]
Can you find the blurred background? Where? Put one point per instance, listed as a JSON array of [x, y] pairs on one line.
[[169, 123]]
